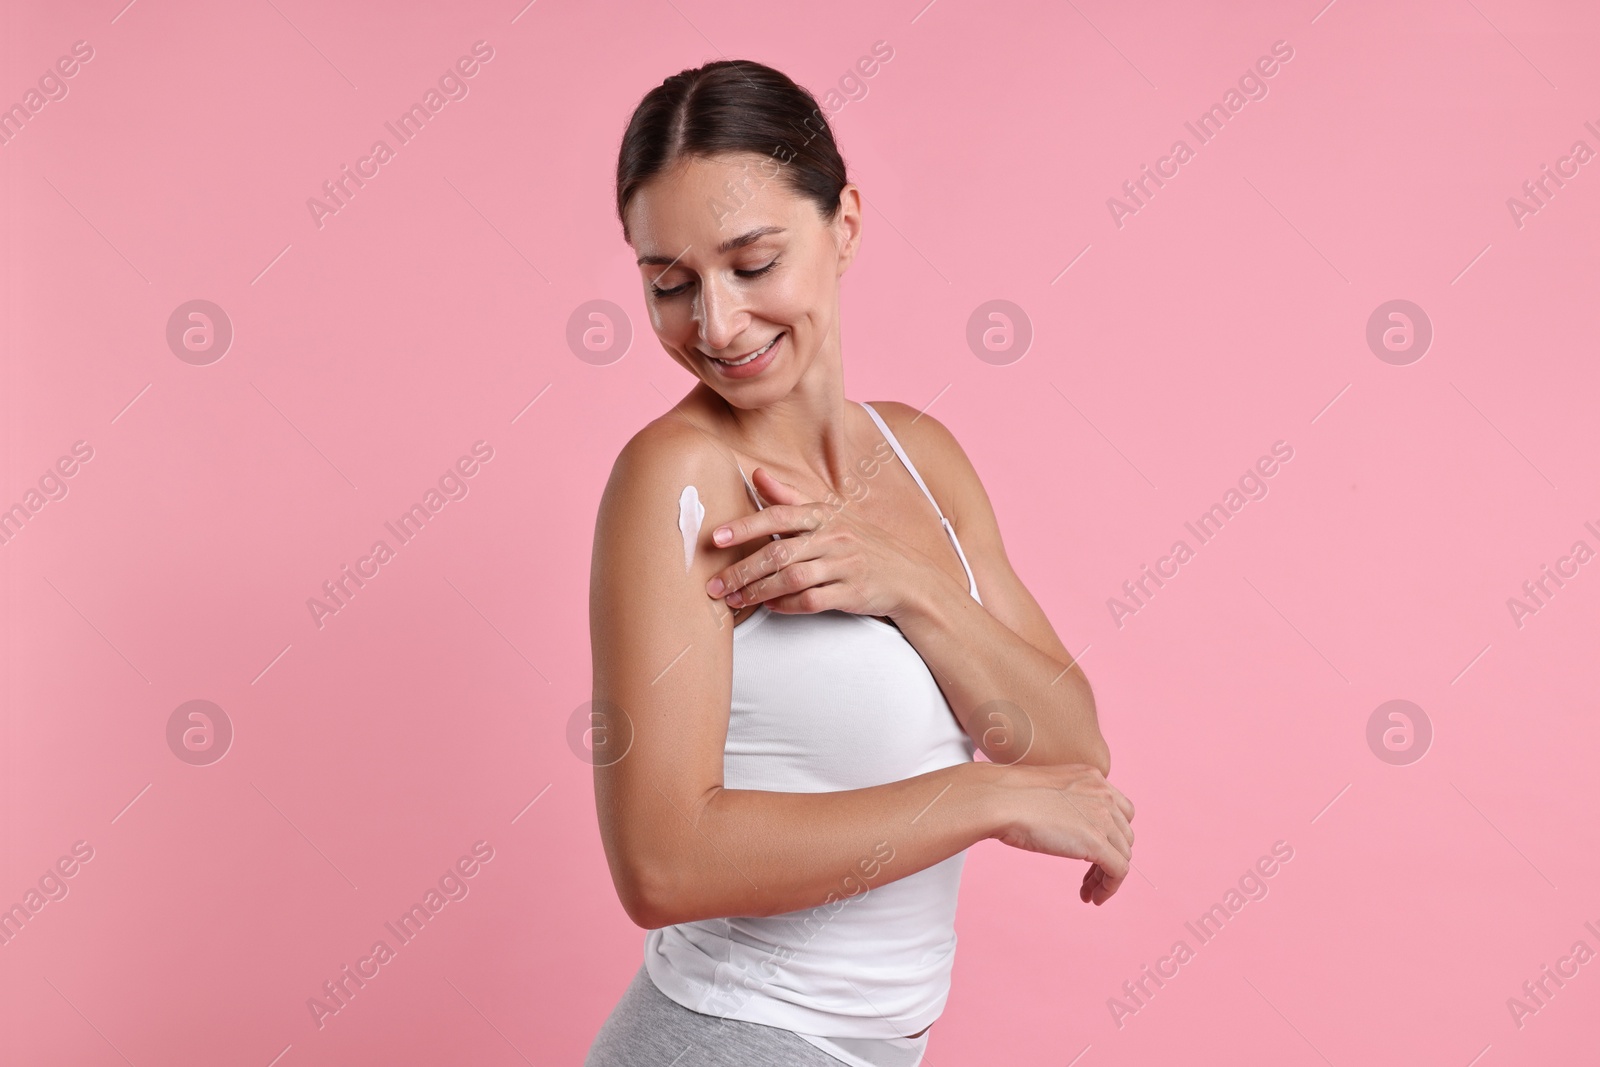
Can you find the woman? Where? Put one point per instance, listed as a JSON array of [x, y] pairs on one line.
[[794, 667]]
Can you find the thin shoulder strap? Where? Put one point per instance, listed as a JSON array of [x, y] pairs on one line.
[[905, 459], [747, 485], [754, 495], [955, 542]]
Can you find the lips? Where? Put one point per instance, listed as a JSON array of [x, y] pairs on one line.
[[753, 364], [748, 356]]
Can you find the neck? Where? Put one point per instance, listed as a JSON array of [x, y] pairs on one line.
[[804, 437]]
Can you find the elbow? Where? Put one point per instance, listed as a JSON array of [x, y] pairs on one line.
[[653, 893], [1097, 756], [1095, 753], [1102, 760], [643, 913], [645, 899], [1089, 744], [1099, 751], [655, 875]]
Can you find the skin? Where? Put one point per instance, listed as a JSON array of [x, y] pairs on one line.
[[680, 846]]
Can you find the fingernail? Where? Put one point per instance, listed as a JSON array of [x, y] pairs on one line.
[[735, 598], [722, 535], [714, 587]]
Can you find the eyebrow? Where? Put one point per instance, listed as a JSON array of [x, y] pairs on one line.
[[724, 248]]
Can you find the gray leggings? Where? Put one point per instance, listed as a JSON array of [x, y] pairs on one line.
[[649, 1029]]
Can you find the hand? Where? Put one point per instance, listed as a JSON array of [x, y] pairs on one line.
[[1069, 810], [837, 562]]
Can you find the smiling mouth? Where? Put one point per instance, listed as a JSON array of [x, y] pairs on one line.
[[753, 355]]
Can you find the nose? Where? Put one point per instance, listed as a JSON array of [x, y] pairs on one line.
[[717, 312]]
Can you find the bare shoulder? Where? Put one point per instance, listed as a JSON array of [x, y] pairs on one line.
[[954, 481], [638, 543], [939, 457], [915, 428], [666, 450]]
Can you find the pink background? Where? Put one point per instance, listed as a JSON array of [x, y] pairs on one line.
[[431, 312]]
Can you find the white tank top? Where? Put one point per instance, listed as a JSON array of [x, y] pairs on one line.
[[823, 702]]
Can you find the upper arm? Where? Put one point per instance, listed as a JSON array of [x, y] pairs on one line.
[[662, 649], [966, 503]]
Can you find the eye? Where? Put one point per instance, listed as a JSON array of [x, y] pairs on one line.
[[660, 293], [758, 272]]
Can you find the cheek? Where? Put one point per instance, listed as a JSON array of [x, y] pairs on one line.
[[672, 320], [791, 298]]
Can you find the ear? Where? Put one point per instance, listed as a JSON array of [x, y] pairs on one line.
[[847, 226]]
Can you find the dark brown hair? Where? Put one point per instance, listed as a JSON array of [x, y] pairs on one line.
[[732, 106]]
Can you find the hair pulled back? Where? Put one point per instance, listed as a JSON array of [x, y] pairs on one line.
[[732, 106]]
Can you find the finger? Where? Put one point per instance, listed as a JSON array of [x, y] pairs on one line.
[[1111, 880], [799, 574], [1091, 882], [775, 489], [824, 596], [1121, 821], [766, 560], [775, 519], [1119, 841], [1113, 856], [1098, 886], [762, 564], [1097, 812], [1122, 800], [1107, 888]]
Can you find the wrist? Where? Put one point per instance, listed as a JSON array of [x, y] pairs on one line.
[[923, 599], [994, 796]]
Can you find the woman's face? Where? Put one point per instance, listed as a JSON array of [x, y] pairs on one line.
[[734, 263]]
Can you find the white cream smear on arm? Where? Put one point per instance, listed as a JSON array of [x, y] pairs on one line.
[[691, 513]]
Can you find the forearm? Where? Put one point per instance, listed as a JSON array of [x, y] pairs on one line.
[[753, 852], [1018, 704]]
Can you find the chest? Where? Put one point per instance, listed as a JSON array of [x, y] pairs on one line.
[[831, 700], [941, 550], [889, 499]]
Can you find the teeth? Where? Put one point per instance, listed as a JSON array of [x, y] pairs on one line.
[[757, 353]]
